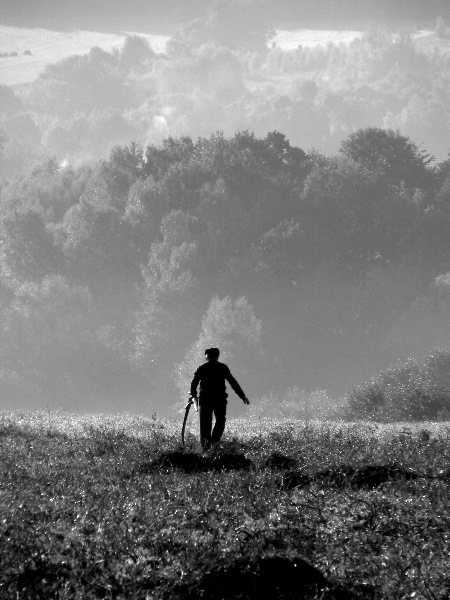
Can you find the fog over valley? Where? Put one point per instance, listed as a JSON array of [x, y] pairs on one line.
[[269, 178]]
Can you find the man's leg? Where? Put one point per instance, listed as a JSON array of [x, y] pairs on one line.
[[220, 413], [206, 412]]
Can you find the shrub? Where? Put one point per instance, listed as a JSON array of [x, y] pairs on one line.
[[412, 391]]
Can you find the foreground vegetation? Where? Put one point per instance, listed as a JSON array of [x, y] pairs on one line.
[[90, 507]]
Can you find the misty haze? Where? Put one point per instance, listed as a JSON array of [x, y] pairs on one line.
[[220, 179]]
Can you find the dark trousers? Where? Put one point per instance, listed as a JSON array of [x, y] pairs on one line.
[[208, 407]]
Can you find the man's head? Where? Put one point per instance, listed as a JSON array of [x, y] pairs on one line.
[[212, 353]]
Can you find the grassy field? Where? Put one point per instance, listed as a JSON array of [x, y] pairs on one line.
[[99, 507]]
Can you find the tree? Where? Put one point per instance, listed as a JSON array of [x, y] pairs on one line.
[[28, 251], [412, 391], [278, 255], [167, 299], [9, 102], [352, 219], [158, 159], [124, 167], [53, 188], [147, 204], [47, 341], [83, 83], [392, 157], [238, 24], [53, 351], [99, 248], [232, 327], [136, 51]]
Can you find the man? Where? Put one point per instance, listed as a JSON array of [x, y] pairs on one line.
[[213, 396]]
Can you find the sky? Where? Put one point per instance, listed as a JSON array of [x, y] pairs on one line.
[[164, 16], [155, 16]]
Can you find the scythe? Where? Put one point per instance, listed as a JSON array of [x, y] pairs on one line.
[[192, 400]]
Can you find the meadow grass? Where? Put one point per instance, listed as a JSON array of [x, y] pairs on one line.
[[81, 518]]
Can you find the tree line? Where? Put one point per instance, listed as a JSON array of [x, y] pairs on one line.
[[307, 270]]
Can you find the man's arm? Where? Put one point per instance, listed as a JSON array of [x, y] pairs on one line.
[[195, 382], [236, 387]]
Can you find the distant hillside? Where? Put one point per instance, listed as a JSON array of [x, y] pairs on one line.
[[49, 47]]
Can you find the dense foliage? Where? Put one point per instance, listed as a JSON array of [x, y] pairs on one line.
[[83, 514], [308, 271], [408, 392]]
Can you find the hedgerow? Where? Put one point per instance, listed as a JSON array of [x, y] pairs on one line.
[[411, 391]]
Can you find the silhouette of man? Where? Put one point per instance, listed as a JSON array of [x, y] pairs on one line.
[[211, 376]]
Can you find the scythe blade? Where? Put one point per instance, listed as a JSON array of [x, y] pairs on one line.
[[186, 414]]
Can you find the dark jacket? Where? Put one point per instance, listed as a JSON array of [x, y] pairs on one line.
[[211, 376]]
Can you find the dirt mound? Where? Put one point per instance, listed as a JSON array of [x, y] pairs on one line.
[[229, 462], [263, 578], [185, 461], [279, 462], [369, 476], [191, 462]]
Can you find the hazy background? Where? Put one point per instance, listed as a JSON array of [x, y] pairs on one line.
[[150, 207]]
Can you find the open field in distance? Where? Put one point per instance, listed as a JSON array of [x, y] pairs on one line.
[[48, 47]]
